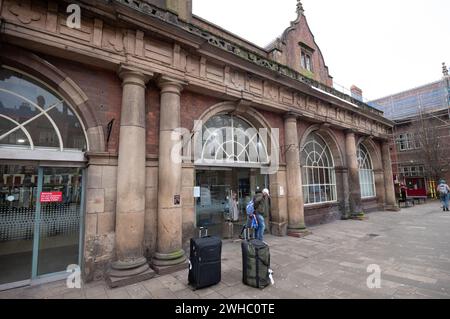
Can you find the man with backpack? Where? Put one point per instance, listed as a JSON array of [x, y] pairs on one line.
[[443, 190]]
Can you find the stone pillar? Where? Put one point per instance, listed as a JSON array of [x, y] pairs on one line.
[[131, 266], [353, 175], [390, 202], [296, 219], [169, 256]]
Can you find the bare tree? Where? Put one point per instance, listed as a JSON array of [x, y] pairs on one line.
[[431, 137]]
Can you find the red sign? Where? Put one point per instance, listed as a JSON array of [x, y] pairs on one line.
[[51, 197]]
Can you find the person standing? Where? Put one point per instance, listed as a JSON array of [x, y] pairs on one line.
[[261, 204], [234, 211], [443, 191]]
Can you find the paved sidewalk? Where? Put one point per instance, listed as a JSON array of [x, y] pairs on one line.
[[411, 247]]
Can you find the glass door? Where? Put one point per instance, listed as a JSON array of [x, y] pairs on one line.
[[40, 221], [18, 189], [59, 219]]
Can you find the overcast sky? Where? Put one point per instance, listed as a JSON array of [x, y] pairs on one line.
[[382, 46]]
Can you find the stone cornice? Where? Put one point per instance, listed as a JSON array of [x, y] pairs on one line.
[[241, 52], [143, 46]]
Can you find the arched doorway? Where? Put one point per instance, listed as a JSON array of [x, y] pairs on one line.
[[42, 147], [231, 150]]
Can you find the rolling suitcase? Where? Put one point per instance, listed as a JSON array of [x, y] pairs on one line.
[[256, 270], [205, 261]]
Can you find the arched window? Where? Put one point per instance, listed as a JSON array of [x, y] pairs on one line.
[[230, 140], [32, 116], [319, 178], [366, 176]]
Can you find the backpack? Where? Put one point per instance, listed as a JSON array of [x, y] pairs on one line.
[[443, 189], [250, 208]]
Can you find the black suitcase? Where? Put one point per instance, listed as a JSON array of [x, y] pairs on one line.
[[205, 261], [256, 270]]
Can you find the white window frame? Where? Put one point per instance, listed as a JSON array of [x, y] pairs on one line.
[[326, 170], [366, 173]]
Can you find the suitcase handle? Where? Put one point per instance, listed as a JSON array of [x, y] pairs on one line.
[[247, 233], [200, 233]]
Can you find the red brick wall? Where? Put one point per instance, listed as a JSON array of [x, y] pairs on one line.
[[192, 107], [102, 87], [152, 102]]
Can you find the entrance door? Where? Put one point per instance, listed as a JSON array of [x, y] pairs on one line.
[[216, 188], [40, 219]]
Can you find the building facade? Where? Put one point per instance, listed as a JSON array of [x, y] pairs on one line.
[[420, 144], [123, 133]]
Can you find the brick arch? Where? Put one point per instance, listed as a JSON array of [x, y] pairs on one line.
[[330, 139], [33, 65]]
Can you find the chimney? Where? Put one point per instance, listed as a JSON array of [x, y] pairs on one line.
[[182, 8], [356, 92]]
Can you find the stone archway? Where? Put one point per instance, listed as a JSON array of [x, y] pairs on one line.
[[36, 67], [375, 157], [330, 139]]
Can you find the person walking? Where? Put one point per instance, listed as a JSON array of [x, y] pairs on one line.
[[444, 191]]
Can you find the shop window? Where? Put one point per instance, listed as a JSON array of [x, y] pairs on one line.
[[319, 178], [33, 116], [366, 175]]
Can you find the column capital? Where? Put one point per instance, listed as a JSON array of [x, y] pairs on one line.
[[290, 116], [171, 85], [130, 75], [349, 131]]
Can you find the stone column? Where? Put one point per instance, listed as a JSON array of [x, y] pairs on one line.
[[296, 219], [131, 266], [169, 256], [353, 175], [391, 203]]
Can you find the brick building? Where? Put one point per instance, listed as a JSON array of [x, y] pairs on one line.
[[123, 134], [420, 146]]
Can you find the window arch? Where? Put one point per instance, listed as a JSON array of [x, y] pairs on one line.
[[319, 177], [230, 140], [33, 116], [366, 175]]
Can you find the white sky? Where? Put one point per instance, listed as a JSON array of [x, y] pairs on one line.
[[382, 46]]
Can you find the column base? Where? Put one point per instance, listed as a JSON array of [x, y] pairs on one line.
[[124, 277], [165, 270], [165, 264], [391, 208], [298, 232], [278, 229], [358, 216]]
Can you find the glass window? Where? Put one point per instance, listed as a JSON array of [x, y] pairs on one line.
[[306, 61], [33, 116], [319, 178], [230, 140], [366, 175]]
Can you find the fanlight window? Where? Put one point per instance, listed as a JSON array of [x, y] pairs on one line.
[[32, 116], [229, 140], [319, 178], [366, 175]]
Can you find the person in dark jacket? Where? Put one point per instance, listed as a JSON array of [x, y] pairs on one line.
[[260, 202]]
